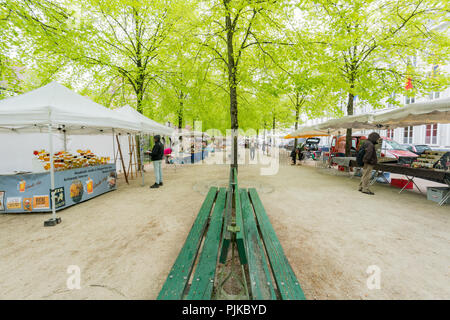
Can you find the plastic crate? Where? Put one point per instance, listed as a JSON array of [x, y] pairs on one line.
[[380, 179], [400, 183], [437, 193]]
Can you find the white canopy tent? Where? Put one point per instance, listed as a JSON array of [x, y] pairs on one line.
[[308, 132], [145, 124], [55, 106], [188, 133], [360, 121], [430, 112]]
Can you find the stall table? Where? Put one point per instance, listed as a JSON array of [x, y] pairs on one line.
[[411, 173], [30, 192]]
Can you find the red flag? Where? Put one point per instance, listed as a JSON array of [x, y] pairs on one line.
[[408, 84]]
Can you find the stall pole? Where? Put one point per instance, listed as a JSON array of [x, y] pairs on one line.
[[65, 140], [114, 147], [141, 152], [121, 159], [54, 220]]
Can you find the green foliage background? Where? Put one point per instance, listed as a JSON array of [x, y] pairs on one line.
[[168, 58]]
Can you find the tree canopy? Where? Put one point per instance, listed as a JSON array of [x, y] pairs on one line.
[[248, 64]]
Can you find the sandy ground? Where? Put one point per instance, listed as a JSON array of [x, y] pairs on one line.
[[126, 241]]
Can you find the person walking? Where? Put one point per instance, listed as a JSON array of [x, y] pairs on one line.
[[252, 149], [157, 155], [192, 152], [294, 155], [370, 160]]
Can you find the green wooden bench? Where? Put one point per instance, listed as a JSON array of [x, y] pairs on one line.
[[256, 242], [176, 283], [233, 203], [288, 286]]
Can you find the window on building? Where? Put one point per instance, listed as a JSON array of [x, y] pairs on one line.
[[412, 61], [434, 95], [409, 100], [408, 134], [431, 134], [390, 102], [434, 72], [390, 133]]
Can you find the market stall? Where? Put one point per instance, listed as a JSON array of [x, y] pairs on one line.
[[146, 126], [432, 165], [60, 178]]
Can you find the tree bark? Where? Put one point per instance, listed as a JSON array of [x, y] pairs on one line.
[[297, 115], [348, 138], [180, 112], [232, 83]]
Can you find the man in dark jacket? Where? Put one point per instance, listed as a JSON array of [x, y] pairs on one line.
[[370, 160], [294, 155], [157, 155]]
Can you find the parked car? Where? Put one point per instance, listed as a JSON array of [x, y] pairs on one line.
[[312, 144], [389, 148], [311, 148], [417, 148], [337, 148]]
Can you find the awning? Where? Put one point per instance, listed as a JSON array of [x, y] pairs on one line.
[[310, 132], [145, 124], [360, 121], [62, 108], [420, 113]]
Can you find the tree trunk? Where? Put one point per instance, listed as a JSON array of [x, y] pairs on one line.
[[139, 80], [180, 115], [348, 138], [297, 115], [272, 139], [232, 84]]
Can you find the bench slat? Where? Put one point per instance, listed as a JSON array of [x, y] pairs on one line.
[[260, 280], [178, 277], [203, 281], [239, 223], [287, 282], [226, 238]]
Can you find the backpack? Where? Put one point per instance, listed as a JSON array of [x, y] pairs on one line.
[[360, 155]]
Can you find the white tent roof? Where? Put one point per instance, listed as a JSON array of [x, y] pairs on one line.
[[57, 105], [145, 124], [309, 131], [360, 121], [188, 133], [430, 112]]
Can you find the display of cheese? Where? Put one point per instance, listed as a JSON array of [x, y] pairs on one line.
[[433, 159], [63, 160]]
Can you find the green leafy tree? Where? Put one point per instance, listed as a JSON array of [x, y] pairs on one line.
[[231, 30], [363, 44], [125, 40]]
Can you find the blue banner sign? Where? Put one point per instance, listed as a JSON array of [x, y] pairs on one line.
[[30, 192]]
